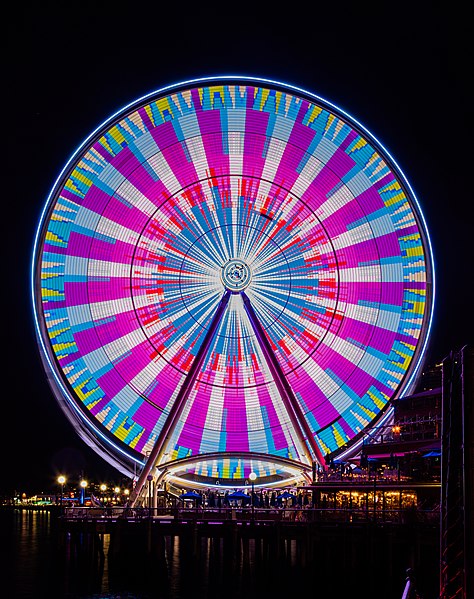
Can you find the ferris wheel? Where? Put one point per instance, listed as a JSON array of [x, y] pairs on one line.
[[230, 276]]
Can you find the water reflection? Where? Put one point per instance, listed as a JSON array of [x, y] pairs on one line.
[[41, 563]]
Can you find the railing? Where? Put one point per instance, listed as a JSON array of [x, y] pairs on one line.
[[294, 514], [388, 477], [405, 430]]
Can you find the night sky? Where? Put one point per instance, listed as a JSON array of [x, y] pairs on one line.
[[402, 73]]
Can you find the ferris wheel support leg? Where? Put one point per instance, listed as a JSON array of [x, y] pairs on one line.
[[291, 403], [180, 401]]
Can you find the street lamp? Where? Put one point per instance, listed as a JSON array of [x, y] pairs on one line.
[[61, 481], [83, 485], [149, 479], [252, 477]]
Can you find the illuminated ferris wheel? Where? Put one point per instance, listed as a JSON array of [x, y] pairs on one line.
[[231, 275]]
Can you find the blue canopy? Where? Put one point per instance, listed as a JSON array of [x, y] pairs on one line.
[[236, 495], [285, 495], [190, 495]]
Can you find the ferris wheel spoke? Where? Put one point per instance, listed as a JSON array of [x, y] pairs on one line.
[[286, 392], [181, 398]]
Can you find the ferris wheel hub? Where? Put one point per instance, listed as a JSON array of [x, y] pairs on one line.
[[236, 275]]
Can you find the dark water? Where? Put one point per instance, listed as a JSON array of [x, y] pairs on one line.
[[38, 562]]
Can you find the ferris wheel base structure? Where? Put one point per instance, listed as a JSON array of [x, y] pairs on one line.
[[231, 276]]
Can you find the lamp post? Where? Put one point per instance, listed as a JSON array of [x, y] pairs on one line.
[[103, 489], [252, 477], [83, 485], [61, 481], [149, 479]]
